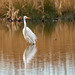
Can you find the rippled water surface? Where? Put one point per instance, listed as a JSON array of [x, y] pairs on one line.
[[53, 54]]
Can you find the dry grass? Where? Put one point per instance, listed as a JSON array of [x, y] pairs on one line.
[[64, 5], [60, 5]]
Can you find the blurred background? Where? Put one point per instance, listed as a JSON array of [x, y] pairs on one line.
[[53, 22], [37, 9]]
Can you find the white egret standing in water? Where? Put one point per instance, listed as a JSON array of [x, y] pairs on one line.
[[28, 34]]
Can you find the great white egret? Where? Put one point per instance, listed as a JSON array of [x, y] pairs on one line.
[[28, 34]]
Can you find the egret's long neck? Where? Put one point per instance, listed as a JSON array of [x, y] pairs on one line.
[[24, 23]]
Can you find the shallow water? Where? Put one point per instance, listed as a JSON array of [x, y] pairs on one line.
[[53, 54]]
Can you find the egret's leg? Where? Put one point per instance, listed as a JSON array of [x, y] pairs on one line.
[[34, 43]]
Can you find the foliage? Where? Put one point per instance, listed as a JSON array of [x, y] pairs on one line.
[[49, 9]]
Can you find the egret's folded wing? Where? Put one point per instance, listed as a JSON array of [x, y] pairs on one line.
[[31, 34]]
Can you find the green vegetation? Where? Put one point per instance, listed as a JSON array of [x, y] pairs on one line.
[[69, 15], [49, 9], [36, 9]]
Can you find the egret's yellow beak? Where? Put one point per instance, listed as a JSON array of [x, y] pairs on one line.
[[27, 17]]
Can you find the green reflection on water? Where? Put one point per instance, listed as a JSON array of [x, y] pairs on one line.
[[48, 27]]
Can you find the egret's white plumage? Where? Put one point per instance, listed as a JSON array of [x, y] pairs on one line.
[[28, 34]]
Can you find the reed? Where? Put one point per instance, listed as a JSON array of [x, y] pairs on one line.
[[37, 8], [64, 5]]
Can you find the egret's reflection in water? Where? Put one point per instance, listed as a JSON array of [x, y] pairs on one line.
[[28, 54]]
